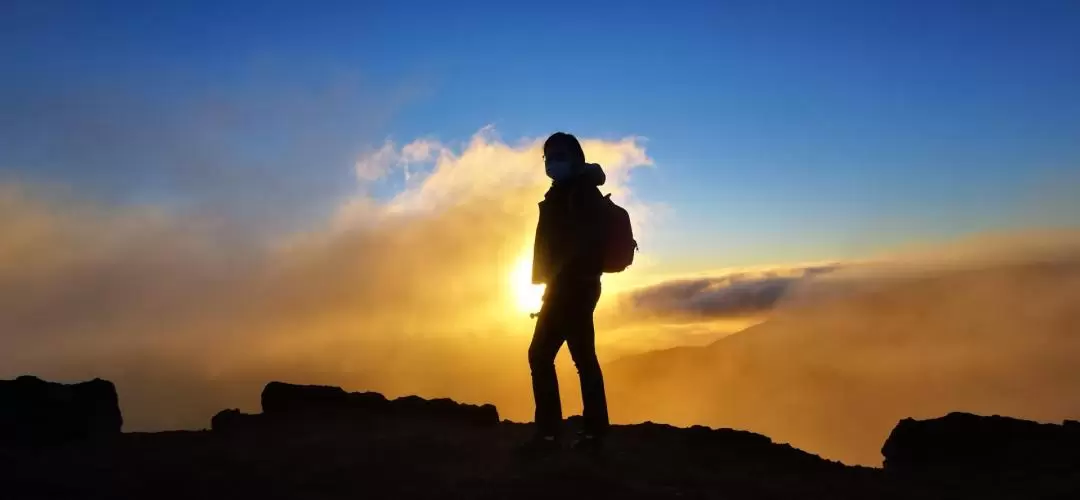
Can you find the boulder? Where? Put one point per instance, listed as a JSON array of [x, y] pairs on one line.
[[283, 403], [34, 412], [963, 443], [279, 398], [233, 420], [445, 409]]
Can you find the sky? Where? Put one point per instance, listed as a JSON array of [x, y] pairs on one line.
[[778, 131]]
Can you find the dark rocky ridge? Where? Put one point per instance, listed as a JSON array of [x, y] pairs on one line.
[[322, 442]]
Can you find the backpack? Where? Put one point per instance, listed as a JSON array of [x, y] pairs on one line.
[[619, 243]]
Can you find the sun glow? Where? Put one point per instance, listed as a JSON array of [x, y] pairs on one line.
[[527, 296]]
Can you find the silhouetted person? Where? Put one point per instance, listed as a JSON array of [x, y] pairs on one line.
[[567, 257]]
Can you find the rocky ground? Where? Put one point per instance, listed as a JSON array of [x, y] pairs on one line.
[[395, 458], [315, 443]]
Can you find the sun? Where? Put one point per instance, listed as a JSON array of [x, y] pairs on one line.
[[527, 296]]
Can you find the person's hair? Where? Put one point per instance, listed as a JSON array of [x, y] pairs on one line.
[[568, 143]]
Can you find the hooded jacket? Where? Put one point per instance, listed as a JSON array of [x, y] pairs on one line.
[[569, 233]]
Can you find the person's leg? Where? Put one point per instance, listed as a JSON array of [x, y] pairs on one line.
[[581, 339], [546, 341]]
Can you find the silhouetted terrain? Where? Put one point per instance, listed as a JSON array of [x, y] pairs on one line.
[[321, 442]]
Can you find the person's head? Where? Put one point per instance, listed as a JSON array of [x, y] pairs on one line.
[[564, 147], [563, 156]]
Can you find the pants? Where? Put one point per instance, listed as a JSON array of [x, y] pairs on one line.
[[567, 316]]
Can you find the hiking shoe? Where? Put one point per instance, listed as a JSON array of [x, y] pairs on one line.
[[589, 443], [538, 445]]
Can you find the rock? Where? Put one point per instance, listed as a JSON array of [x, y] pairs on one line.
[[279, 398], [233, 420], [283, 403], [445, 409], [33, 411], [962, 443]]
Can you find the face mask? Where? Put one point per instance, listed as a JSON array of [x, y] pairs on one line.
[[559, 170]]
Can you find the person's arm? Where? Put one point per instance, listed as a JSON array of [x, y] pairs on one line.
[[541, 264]]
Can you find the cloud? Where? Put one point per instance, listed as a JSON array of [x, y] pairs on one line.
[[420, 150], [373, 166], [967, 254], [378, 163], [699, 309], [487, 168], [733, 295], [747, 293]]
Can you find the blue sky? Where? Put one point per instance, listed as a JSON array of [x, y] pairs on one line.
[[781, 131]]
